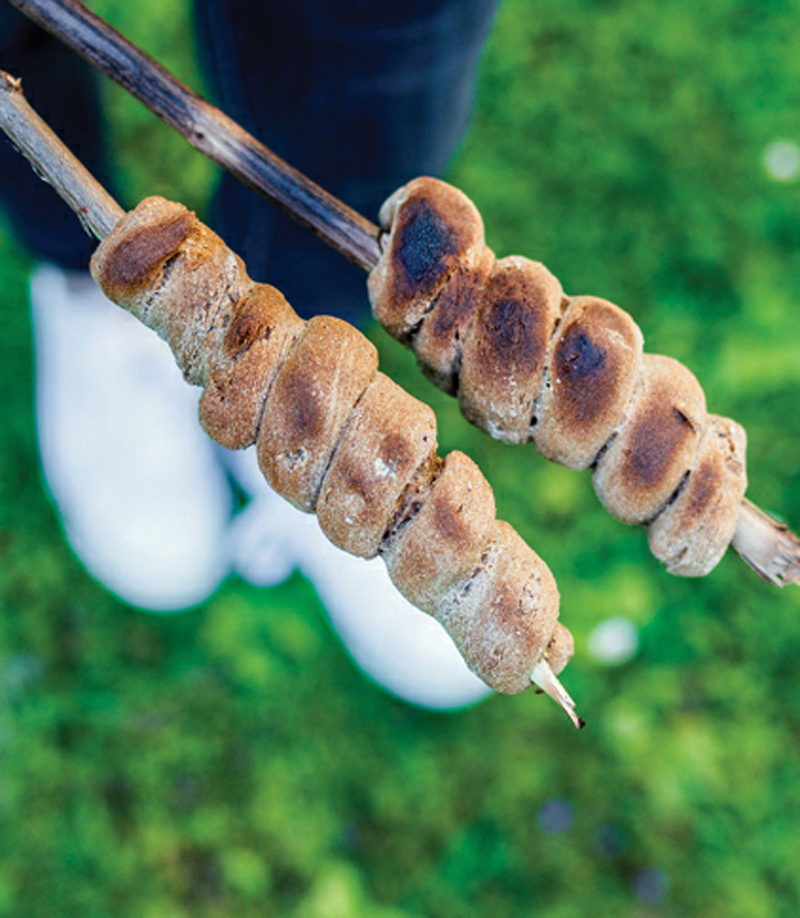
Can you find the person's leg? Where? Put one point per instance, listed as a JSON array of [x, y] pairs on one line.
[[361, 96], [141, 495]]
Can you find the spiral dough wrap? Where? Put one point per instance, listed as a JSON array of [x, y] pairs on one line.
[[337, 437], [528, 363]]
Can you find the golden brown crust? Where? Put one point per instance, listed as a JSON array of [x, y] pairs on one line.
[[175, 275], [593, 367], [389, 435], [503, 356], [130, 259], [560, 649], [432, 227], [503, 614], [335, 435], [311, 398], [191, 308], [592, 398], [691, 535], [263, 328], [646, 460], [443, 541], [447, 324], [573, 377]]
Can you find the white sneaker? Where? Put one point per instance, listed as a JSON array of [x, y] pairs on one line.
[[143, 499], [402, 649]]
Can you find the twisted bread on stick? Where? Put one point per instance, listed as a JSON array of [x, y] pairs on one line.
[[336, 437], [528, 363]]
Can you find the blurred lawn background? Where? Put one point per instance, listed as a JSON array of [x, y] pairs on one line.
[[230, 761]]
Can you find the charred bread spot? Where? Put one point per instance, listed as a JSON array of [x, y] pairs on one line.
[[243, 331], [691, 535], [389, 435], [136, 258], [263, 329], [303, 413], [503, 360], [411, 501], [453, 306], [657, 445], [515, 321], [447, 523], [254, 319], [424, 246], [706, 482], [434, 227], [509, 327], [503, 615], [588, 364], [445, 538], [592, 374], [395, 453], [307, 407], [447, 325], [186, 298], [138, 246], [658, 439], [579, 359]]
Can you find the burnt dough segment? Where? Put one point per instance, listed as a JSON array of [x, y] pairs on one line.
[[192, 307], [690, 536], [438, 341], [333, 434], [432, 226], [262, 329], [128, 263], [502, 615], [389, 435], [443, 540], [503, 358], [527, 363], [593, 367], [316, 388], [175, 275], [656, 446]]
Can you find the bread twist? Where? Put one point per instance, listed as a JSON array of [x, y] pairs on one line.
[[528, 363], [338, 438]]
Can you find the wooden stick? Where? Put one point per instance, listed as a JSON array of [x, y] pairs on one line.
[[54, 163], [767, 545], [99, 212], [207, 129], [763, 542]]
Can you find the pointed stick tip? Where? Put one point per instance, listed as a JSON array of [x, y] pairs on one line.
[[544, 677], [767, 545]]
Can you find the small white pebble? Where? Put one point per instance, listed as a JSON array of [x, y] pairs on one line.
[[781, 161], [614, 641]]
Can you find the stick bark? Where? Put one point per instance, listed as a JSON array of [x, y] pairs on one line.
[[764, 542], [54, 163]]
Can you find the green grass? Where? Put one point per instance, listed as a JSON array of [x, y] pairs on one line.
[[230, 761]]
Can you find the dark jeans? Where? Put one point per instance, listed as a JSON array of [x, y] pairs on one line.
[[360, 95]]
